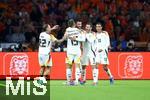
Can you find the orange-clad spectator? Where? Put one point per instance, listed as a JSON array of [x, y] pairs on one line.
[[122, 3], [101, 6], [125, 5], [43, 7], [8, 13], [85, 5], [3, 5], [113, 7], [32, 46], [109, 26], [145, 36], [78, 9], [2, 27], [123, 20], [95, 2], [72, 2], [137, 5], [28, 7]]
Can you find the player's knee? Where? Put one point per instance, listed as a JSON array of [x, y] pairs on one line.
[[69, 66], [48, 68], [77, 65], [94, 67], [42, 68], [105, 67], [83, 67]]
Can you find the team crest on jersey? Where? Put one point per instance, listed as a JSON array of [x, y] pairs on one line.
[[19, 65], [130, 66], [133, 66]]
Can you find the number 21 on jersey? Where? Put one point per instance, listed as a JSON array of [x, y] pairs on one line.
[[44, 43]]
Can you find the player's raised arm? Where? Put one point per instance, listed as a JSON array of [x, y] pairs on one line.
[[63, 38], [53, 38], [55, 27]]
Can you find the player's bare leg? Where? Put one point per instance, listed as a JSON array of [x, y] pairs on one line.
[[83, 74], [42, 71], [68, 73], [77, 72], [107, 70], [47, 71], [95, 74]]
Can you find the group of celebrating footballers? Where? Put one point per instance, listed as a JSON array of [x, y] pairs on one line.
[[84, 47]]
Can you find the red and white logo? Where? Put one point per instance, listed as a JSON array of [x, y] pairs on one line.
[[19, 65], [16, 64], [130, 65]]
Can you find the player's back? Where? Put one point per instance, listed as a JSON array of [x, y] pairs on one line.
[[44, 43], [73, 46]]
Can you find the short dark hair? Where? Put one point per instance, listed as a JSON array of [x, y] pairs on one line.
[[99, 23], [89, 23], [71, 22], [78, 20]]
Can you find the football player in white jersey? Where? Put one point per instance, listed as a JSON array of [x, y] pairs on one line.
[[103, 43], [73, 36], [82, 70], [45, 42], [88, 55]]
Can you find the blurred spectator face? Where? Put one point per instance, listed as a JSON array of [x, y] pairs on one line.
[[33, 40], [98, 27], [79, 24], [131, 44], [88, 28]]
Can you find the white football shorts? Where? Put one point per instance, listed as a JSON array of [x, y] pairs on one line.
[[45, 60]]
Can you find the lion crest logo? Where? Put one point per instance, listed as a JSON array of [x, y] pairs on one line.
[[19, 65], [133, 66]]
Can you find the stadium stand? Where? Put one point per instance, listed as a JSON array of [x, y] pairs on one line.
[[22, 19]]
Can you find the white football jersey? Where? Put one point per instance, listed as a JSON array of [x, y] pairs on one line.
[[102, 40], [45, 42], [73, 46], [89, 44]]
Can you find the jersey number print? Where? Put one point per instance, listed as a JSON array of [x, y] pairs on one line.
[[43, 43], [74, 42]]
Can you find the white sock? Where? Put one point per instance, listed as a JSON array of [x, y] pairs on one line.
[[95, 75], [68, 74], [109, 73], [80, 71], [77, 74], [42, 78], [84, 74]]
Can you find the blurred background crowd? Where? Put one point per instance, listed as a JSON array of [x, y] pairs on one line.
[[127, 22]]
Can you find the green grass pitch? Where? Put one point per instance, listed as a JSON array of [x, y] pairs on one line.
[[121, 90]]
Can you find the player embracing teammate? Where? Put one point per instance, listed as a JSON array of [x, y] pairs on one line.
[[84, 47], [95, 52]]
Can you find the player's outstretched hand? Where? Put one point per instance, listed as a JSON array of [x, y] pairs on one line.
[[55, 27]]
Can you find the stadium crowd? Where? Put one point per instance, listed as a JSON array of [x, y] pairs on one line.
[[126, 21]]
